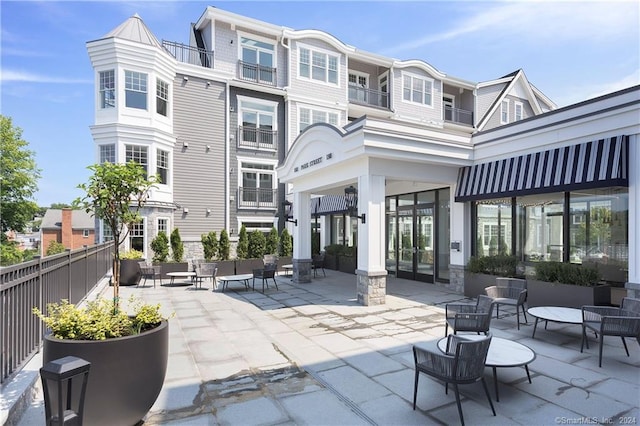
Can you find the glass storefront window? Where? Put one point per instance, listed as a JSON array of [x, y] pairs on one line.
[[392, 236], [494, 227], [543, 227]]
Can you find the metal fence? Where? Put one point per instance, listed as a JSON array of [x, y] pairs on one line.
[[70, 275]]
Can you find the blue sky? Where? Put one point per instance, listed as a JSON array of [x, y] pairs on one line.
[[571, 51]]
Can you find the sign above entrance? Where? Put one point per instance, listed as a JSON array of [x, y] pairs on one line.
[[312, 163]]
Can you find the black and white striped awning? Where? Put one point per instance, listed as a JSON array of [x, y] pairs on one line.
[[595, 164], [329, 204]]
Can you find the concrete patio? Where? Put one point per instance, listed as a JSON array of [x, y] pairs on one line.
[[309, 354]]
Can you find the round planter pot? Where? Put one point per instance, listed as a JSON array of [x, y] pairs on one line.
[[126, 375], [130, 271]]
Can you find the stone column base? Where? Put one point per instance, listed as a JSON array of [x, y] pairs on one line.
[[301, 271], [372, 287]]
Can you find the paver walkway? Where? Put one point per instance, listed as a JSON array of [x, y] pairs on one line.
[[309, 354]]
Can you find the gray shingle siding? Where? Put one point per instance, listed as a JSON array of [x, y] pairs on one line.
[[199, 173], [485, 98]]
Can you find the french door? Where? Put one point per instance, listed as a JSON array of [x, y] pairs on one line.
[[416, 238]]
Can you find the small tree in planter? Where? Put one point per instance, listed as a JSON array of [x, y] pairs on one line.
[[224, 246], [286, 244], [242, 251], [160, 247], [272, 242], [115, 194], [257, 243], [209, 245], [177, 248]]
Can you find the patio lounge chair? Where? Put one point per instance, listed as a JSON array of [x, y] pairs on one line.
[[150, 271], [205, 270], [611, 321], [509, 291], [463, 363], [264, 274], [466, 317]]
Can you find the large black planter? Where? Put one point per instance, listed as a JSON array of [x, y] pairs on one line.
[[166, 267], [126, 375], [475, 283], [130, 271], [543, 293]]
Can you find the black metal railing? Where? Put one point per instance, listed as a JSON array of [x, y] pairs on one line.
[[256, 73], [188, 54], [457, 115], [255, 138], [370, 97], [70, 275], [257, 198]]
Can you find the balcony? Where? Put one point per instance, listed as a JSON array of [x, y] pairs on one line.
[[368, 97], [257, 198], [190, 55], [256, 73], [256, 138], [457, 115]]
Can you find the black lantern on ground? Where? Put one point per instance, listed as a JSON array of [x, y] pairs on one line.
[[288, 216], [64, 384], [351, 199]]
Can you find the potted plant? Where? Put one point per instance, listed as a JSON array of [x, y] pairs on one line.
[[160, 248], [128, 354], [129, 267], [566, 284], [481, 272], [209, 245]]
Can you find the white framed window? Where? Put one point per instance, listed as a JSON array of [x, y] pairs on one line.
[[448, 104], [518, 111], [135, 85], [358, 86], [107, 235], [107, 89], [163, 225], [108, 153], [85, 233], [258, 188], [258, 59], [162, 166], [383, 84], [136, 236], [257, 223], [504, 112], [138, 154], [259, 123], [309, 116], [417, 90], [318, 65], [162, 97]]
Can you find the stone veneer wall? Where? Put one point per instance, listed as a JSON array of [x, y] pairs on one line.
[[371, 288], [456, 278]]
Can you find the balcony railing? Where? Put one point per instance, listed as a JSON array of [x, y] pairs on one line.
[[255, 138], [257, 198], [457, 115], [369, 97], [256, 73], [188, 54], [70, 275]]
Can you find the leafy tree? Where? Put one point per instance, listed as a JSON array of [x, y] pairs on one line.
[[286, 243], [19, 176], [55, 248], [272, 242], [177, 248], [242, 251], [60, 206], [115, 194], [224, 246], [209, 245], [160, 247], [9, 252], [257, 243]]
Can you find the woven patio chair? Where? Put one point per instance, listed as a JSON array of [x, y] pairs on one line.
[[611, 321], [467, 317], [509, 291], [462, 364], [205, 270], [264, 274], [150, 271]]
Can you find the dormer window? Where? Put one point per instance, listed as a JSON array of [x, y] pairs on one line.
[[504, 112], [417, 89], [257, 60], [518, 108], [317, 65]]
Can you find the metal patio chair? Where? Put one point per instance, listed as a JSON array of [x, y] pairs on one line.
[[467, 317], [509, 291]]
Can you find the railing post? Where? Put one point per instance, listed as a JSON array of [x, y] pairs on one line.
[[86, 269], [40, 325], [68, 274]]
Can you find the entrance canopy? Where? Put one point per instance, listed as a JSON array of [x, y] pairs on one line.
[[597, 164]]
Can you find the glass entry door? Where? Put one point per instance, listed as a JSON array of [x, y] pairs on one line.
[[416, 235]]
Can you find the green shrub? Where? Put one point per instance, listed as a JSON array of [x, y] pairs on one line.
[[286, 243], [334, 249], [504, 266], [131, 255], [54, 248], [209, 245], [242, 250], [272, 242], [567, 273], [160, 247], [177, 248], [257, 243], [224, 246]]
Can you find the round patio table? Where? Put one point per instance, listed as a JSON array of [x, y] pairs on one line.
[[558, 314], [174, 275], [242, 278]]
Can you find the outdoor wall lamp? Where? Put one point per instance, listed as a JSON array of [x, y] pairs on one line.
[[64, 384], [351, 199], [288, 216]]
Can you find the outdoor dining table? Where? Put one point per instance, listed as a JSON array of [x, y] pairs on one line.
[[174, 275], [241, 278], [557, 314]]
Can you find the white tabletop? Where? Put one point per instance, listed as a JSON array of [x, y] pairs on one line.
[[557, 314], [241, 277], [502, 352], [181, 274]]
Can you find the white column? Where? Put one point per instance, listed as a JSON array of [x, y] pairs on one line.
[[371, 234], [302, 238], [634, 217]]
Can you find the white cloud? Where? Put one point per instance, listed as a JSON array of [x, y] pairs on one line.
[[541, 22], [9, 76], [576, 94]]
